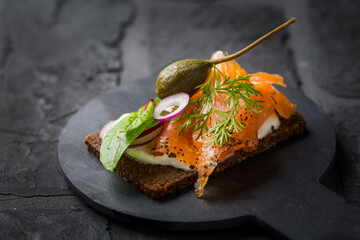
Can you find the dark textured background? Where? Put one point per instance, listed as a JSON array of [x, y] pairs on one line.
[[56, 55]]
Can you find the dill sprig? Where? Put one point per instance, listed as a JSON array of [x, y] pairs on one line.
[[203, 109]]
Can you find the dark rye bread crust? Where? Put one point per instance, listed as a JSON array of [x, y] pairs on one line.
[[156, 181]]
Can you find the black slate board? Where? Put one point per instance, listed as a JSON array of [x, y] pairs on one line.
[[278, 190]]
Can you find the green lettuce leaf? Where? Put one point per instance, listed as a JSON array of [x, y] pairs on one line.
[[118, 139]]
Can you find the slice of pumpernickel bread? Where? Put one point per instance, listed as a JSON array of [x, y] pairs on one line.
[[156, 181]]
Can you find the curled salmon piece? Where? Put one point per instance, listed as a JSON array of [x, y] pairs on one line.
[[263, 77], [196, 153], [283, 107]]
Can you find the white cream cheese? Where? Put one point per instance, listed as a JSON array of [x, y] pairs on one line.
[[143, 153], [270, 124]]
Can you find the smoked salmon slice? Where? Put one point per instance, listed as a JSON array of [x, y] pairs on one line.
[[196, 153]]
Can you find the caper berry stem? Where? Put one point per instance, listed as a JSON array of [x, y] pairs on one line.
[[185, 75], [246, 49]]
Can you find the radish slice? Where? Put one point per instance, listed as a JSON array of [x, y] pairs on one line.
[[109, 125], [147, 138], [146, 106], [106, 128], [179, 100]]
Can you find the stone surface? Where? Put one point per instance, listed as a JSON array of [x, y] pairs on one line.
[[179, 31], [50, 217], [320, 27], [119, 231], [63, 53], [52, 224], [55, 55], [335, 35], [348, 158]]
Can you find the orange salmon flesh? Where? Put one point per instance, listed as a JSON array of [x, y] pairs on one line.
[[197, 154]]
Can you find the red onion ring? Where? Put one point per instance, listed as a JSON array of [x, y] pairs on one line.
[[149, 130], [139, 145], [144, 138], [147, 138], [179, 100]]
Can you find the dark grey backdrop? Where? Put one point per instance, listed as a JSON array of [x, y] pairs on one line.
[[56, 55]]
